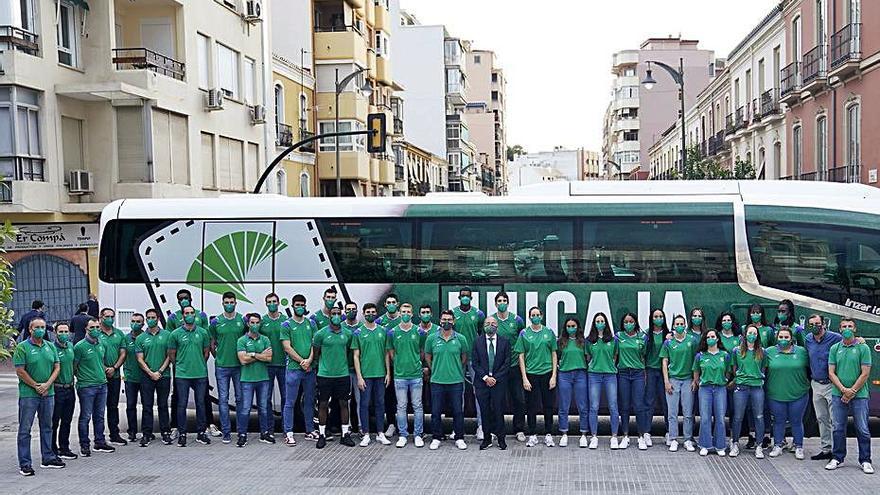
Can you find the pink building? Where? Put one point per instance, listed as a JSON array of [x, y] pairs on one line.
[[831, 86]]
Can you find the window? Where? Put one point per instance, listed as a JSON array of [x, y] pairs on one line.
[[821, 146], [854, 11], [130, 146], [829, 262], [227, 62], [630, 135], [821, 23], [494, 77], [345, 142], [279, 104], [303, 112], [72, 144], [494, 95], [777, 159], [281, 182], [67, 34], [796, 39], [203, 45], [477, 59], [797, 146], [250, 81], [120, 261], [230, 164], [305, 185], [209, 169], [631, 72], [853, 138], [21, 156], [170, 147], [454, 81], [777, 60], [371, 251]]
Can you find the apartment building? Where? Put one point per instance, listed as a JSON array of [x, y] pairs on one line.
[[636, 117], [111, 99], [485, 116], [591, 166], [560, 164], [830, 84]]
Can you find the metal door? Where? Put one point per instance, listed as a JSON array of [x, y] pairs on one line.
[[60, 284]]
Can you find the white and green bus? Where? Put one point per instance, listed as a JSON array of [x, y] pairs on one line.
[[571, 249]]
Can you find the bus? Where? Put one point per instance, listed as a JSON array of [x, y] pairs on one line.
[[570, 248]]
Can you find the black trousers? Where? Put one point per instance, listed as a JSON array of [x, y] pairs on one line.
[[114, 386], [62, 416], [155, 392], [517, 399], [132, 391], [540, 398], [491, 401]]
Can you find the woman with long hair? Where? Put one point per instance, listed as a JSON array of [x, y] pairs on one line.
[[602, 349], [788, 386], [678, 361], [766, 338], [711, 368], [749, 365], [655, 392], [631, 378], [785, 317], [697, 325], [536, 347], [729, 336], [572, 379]]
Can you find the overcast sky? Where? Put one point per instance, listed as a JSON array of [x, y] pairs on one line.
[[556, 54]]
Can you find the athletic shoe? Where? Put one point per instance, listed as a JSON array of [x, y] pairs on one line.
[[833, 464], [322, 442], [704, 452], [312, 436], [563, 440], [85, 452], [267, 438], [166, 439], [533, 440], [26, 471], [594, 442], [822, 456], [103, 447], [776, 451], [174, 433], [766, 443], [435, 444], [867, 468], [67, 455], [460, 444], [53, 464], [583, 442], [145, 441], [117, 440], [614, 443], [548, 440], [734, 450], [721, 453], [419, 441], [520, 436], [227, 438], [799, 453], [479, 433], [289, 440], [383, 440], [751, 443], [242, 441], [181, 441], [347, 440], [365, 441], [214, 431], [624, 442], [203, 439], [648, 441], [759, 452], [642, 444], [689, 446], [132, 437], [401, 442], [391, 430], [673, 446]]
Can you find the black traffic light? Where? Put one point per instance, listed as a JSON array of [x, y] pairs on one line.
[[378, 135]]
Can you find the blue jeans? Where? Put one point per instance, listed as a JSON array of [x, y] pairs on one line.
[[199, 387], [224, 375], [744, 398], [92, 403], [655, 394], [451, 394], [247, 400], [292, 383], [277, 374], [572, 383], [713, 401], [681, 395], [608, 382], [42, 408], [62, 417], [469, 379], [839, 412], [413, 387], [373, 396], [357, 395], [631, 394], [792, 412]]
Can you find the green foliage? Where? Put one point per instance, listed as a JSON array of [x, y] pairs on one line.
[[514, 151], [7, 331], [699, 167]]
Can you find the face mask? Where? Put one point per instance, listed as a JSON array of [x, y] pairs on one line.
[[336, 320], [425, 318], [189, 319], [94, 332], [679, 329], [752, 338], [711, 342], [600, 325], [152, 322], [229, 308], [782, 316], [816, 329], [136, 327], [629, 326], [272, 307], [370, 318], [697, 320], [784, 342], [756, 317], [351, 315], [571, 330], [727, 325], [184, 303], [502, 307], [465, 300], [108, 321], [255, 327], [39, 332], [299, 310], [490, 329], [329, 303], [64, 338], [658, 322], [406, 318], [392, 308], [536, 320], [446, 325], [848, 333]]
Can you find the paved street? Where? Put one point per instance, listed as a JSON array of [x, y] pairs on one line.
[[378, 469]]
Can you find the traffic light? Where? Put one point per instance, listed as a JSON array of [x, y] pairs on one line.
[[378, 135]]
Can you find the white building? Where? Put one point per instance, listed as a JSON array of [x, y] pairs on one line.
[[557, 165]]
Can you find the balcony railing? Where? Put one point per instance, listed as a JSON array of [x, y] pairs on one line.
[[815, 65], [790, 78], [755, 110], [844, 174], [730, 124], [16, 38], [284, 135], [304, 134], [846, 45], [716, 144], [398, 126], [810, 176], [144, 58], [769, 102], [787, 177], [740, 118], [337, 28], [6, 191]]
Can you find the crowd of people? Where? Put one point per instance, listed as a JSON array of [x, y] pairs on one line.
[[758, 376]]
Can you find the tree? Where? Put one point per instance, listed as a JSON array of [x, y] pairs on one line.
[[515, 151], [7, 331], [744, 170], [699, 167]]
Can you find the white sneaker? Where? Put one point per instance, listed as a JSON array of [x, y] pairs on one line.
[[799, 453], [582, 443], [624, 443], [366, 440], [460, 444], [563, 440], [594, 442], [689, 446], [479, 434], [214, 431], [384, 441], [520, 436], [401, 443], [642, 444], [648, 441], [673, 445], [867, 468], [435, 444], [533, 440], [614, 444], [704, 452], [668, 441], [789, 445], [734, 450], [721, 453], [833, 464], [419, 441], [759, 452], [174, 433], [548, 440], [777, 449], [391, 430]]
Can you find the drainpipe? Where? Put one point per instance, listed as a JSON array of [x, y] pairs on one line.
[[269, 126]]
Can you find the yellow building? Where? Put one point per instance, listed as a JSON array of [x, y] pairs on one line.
[[294, 94]]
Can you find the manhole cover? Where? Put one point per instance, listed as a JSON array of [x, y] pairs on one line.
[[137, 480]]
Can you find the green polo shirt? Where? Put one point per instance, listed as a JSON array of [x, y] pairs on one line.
[[371, 344], [652, 359], [572, 357], [602, 356], [387, 322], [155, 349], [175, 320], [88, 359], [131, 370], [446, 366], [300, 336], [469, 323], [848, 361], [787, 378], [320, 319], [112, 344], [631, 350], [226, 332], [407, 346], [191, 345], [271, 327], [333, 362], [65, 359], [729, 343], [749, 370], [713, 368], [681, 357], [509, 328], [38, 361], [256, 371], [537, 348]]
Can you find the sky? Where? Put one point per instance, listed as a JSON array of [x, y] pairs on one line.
[[556, 54]]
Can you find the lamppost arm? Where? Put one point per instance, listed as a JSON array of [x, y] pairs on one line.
[[347, 79], [677, 76]]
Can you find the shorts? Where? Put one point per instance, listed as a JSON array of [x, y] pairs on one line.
[[334, 388]]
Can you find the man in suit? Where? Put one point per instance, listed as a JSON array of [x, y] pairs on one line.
[[79, 321], [491, 362]]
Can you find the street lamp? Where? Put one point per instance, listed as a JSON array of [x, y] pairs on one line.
[[678, 76], [609, 161], [365, 90]]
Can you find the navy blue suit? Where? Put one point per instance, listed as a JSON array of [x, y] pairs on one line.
[[491, 399]]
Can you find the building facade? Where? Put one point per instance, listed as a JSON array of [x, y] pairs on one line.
[[485, 116], [560, 164], [591, 166]]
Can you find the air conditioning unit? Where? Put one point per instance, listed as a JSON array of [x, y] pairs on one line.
[[80, 182], [258, 114], [253, 11], [215, 99]]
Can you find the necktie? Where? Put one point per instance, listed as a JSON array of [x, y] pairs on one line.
[[491, 354]]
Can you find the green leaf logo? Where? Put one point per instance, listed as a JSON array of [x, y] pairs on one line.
[[224, 264]]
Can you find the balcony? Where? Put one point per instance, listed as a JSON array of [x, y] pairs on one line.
[[340, 42], [717, 144], [303, 135], [146, 59], [844, 174], [15, 38], [352, 165], [381, 19], [741, 119], [755, 111], [790, 84], [770, 103], [383, 70], [6, 191], [846, 51], [398, 126], [729, 124], [283, 135], [815, 70], [810, 176]]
